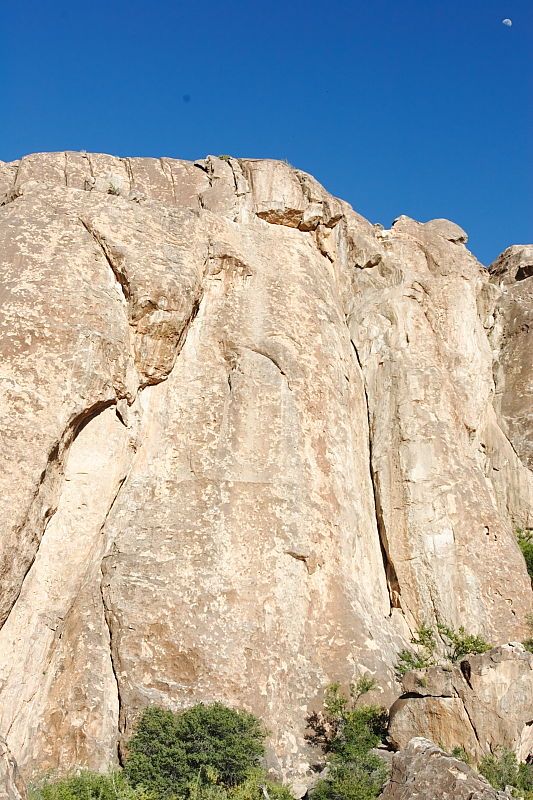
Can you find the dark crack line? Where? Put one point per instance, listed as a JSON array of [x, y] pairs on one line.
[[471, 723], [107, 618], [390, 572]]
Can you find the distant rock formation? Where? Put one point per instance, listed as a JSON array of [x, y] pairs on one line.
[[250, 442]]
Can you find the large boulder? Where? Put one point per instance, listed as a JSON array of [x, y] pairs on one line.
[[422, 771], [482, 703]]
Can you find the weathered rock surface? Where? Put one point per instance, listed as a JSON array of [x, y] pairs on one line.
[[425, 772], [11, 784], [511, 460], [513, 273], [482, 703], [243, 448]]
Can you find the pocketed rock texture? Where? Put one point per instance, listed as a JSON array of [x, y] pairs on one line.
[[249, 442], [481, 704], [425, 772]]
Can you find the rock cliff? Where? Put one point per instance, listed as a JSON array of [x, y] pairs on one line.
[[249, 443]]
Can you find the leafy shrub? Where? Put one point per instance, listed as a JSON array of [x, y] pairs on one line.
[[461, 754], [460, 643], [169, 752], [89, 786], [347, 733], [422, 657], [525, 543], [457, 644], [250, 789], [503, 770], [363, 780]]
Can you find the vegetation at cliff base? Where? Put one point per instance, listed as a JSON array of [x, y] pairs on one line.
[[169, 751], [347, 732], [90, 786], [503, 769], [208, 752]]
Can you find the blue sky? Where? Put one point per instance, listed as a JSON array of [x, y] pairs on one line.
[[417, 107]]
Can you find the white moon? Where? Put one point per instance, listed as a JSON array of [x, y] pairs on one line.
[[507, 22]]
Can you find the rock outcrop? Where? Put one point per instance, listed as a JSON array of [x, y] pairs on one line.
[[481, 704], [425, 772], [11, 784], [245, 447]]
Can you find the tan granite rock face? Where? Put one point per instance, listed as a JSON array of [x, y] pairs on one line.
[[425, 772], [513, 273], [241, 453], [11, 784], [482, 703]]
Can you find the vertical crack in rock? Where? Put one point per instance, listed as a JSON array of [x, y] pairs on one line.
[[107, 619], [471, 721], [393, 585]]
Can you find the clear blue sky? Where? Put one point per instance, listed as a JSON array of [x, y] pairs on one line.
[[416, 107]]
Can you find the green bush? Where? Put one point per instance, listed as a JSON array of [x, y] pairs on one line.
[[461, 754], [363, 780], [422, 657], [525, 543], [170, 752], [346, 734], [460, 643], [457, 645], [250, 789], [503, 770], [89, 786]]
